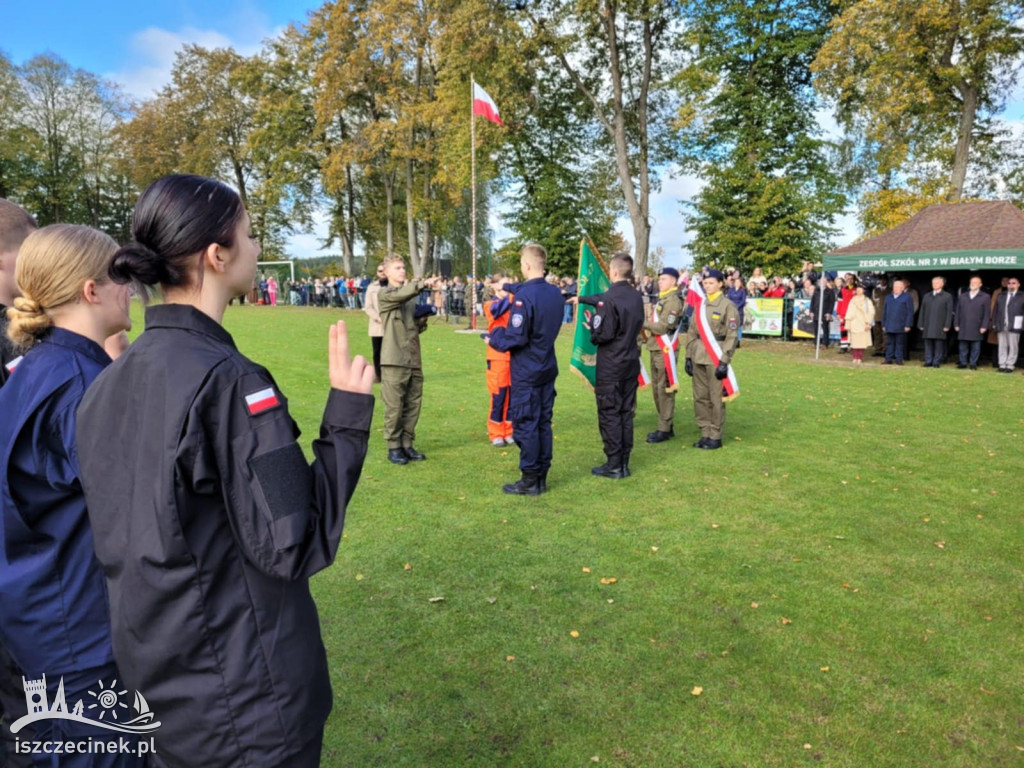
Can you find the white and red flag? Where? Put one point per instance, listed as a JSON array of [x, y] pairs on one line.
[[484, 105]]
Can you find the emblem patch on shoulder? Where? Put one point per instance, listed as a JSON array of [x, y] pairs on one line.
[[517, 320], [732, 325], [14, 363], [671, 318], [262, 401], [596, 322]]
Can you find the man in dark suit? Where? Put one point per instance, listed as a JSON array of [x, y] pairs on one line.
[[935, 320], [972, 319], [1008, 322], [897, 317]]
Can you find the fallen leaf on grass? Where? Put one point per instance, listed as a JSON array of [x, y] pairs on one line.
[[786, 621], [510, 658], [574, 633], [807, 746], [655, 549], [988, 618], [983, 689], [492, 600], [715, 525], [436, 600], [940, 544], [408, 566], [755, 605], [824, 669], [697, 690], [586, 570], [359, 577], [611, 580]]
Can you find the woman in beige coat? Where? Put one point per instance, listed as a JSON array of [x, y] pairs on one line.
[[376, 328], [860, 315]]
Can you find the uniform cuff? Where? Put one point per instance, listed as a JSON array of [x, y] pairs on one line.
[[349, 410]]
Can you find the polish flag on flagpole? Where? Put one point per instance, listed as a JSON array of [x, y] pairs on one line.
[[484, 105]]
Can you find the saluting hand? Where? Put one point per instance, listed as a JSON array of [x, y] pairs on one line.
[[347, 374]]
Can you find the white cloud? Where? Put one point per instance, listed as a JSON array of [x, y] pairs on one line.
[[153, 49]]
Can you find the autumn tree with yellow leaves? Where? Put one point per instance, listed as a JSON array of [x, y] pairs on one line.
[[916, 84]]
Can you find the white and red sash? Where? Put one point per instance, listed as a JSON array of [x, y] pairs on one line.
[[643, 379], [668, 345], [697, 299]]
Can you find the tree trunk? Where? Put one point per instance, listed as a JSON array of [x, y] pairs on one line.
[[969, 108], [389, 189], [410, 217], [638, 208]]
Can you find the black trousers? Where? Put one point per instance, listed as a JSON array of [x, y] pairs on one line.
[[616, 404]]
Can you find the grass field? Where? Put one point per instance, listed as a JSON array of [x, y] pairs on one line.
[[841, 585]]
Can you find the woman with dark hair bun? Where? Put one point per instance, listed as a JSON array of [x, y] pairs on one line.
[[207, 519]]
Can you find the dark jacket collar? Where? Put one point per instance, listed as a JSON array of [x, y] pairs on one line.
[[188, 318], [75, 341]]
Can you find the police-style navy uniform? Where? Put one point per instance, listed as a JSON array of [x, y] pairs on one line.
[[54, 614], [533, 324], [615, 329], [208, 523]]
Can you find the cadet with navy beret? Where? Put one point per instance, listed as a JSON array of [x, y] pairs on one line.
[[662, 329], [723, 322]]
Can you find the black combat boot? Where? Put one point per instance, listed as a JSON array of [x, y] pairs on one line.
[[397, 456], [412, 454], [711, 444], [611, 471], [658, 436], [527, 485]]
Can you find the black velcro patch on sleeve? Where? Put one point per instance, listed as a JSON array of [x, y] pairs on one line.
[[285, 479]]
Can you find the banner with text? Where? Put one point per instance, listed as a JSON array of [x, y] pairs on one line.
[[763, 317]]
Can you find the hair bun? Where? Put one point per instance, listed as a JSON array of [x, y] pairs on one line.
[[137, 263], [27, 321], [27, 306]]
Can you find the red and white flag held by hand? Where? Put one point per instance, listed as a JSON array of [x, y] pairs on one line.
[[484, 105]]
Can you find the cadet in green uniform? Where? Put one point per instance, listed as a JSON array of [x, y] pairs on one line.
[[663, 322], [401, 370], [723, 321]]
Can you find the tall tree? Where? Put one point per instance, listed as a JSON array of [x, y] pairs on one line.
[[619, 53], [557, 194], [915, 83], [748, 120]]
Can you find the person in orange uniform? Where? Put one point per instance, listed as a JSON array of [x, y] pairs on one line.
[[499, 428]]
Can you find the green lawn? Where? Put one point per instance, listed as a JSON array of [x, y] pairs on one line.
[[843, 581]]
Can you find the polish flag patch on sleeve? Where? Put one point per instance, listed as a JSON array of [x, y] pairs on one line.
[[14, 363], [264, 400]]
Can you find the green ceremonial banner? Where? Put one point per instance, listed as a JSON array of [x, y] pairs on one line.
[[592, 279], [763, 317]]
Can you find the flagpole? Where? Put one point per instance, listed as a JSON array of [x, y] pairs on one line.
[[472, 164]]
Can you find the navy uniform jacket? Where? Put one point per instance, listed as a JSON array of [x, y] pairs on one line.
[[614, 330], [897, 313], [54, 616], [8, 353], [533, 325], [208, 523]]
